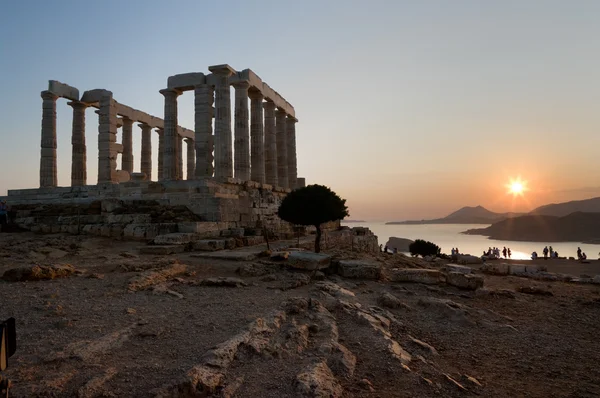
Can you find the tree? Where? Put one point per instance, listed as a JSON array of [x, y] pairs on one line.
[[424, 248], [313, 205]]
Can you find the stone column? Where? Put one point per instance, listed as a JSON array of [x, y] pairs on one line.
[[223, 149], [171, 164], [161, 151], [270, 144], [191, 159], [241, 143], [78, 157], [127, 159], [107, 140], [146, 160], [282, 166], [48, 173], [179, 157], [203, 101], [291, 151], [257, 155]]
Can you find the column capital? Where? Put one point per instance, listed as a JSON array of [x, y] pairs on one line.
[[160, 130], [144, 126], [241, 85], [77, 104], [291, 119], [223, 69], [127, 121], [269, 105], [170, 92], [280, 111], [255, 94], [48, 95]]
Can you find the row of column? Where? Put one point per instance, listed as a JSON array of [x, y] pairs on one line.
[[264, 141], [48, 158]]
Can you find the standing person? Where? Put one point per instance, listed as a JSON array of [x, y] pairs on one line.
[[509, 252], [504, 252], [579, 253], [452, 251], [551, 252], [456, 251], [546, 253]]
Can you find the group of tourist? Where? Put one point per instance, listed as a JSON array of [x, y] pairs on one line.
[[548, 252], [494, 252], [581, 255]]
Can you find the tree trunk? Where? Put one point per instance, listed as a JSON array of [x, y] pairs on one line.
[[318, 239]]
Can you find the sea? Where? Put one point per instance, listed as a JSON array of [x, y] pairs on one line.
[[447, 236]]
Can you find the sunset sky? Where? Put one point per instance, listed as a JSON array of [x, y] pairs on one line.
[[408, 109]]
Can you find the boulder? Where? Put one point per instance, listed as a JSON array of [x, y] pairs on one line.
[[390, 301], [426, 276], [360, 269], [496, 269], [38, 273], [457, 268], [318, 381], [208, 245], [308, 260], [399, 244], [464, 281]]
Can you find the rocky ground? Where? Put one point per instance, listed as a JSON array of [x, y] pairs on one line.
[[113, 323]]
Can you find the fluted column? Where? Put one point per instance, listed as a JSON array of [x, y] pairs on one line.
[[223, 149], [161, 158], [203, 101], [127, 159], [48, 173], [282, 166], [107, 140], [241, 143], [291, 151], [179, 157], [270, 144], [170, 162], [78, 157], [191, 159], [146, 160], [257, 154]]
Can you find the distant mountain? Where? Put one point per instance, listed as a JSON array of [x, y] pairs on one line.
[[563, 209], [466, 215], [574, 227]]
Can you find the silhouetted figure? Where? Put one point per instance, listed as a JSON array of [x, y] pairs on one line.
[[504, 252], [534, 256], [583, 256], [546, 253], [579, 253], [551, 252], [457, 252], [509, 252]]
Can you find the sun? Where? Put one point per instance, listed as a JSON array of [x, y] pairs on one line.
[[516, 187]]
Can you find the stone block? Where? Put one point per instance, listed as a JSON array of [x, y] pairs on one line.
[[161, 250], [457, 268], [426, 276], [468, 259], [209, 245], [360, 269], [464, 281], [517, 269], [63, 90], [496, 269], [308, 260], [177, 238]]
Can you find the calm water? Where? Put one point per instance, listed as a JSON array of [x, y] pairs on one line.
[[449, 235]]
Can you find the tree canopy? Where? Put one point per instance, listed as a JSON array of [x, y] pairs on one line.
[[312, 205]]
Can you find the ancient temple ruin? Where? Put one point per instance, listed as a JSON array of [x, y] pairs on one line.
[[234, 176]]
